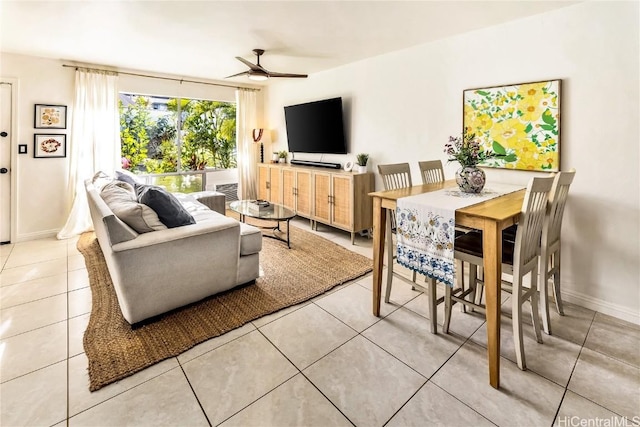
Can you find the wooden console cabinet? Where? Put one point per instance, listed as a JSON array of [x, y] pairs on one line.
[[336, 198]]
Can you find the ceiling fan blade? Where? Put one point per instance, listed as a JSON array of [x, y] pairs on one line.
[[250, 65], [274, 74], [236, 75]]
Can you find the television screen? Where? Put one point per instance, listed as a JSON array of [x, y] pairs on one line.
[[316, 127]]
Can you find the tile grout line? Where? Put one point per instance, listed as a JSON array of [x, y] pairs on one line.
[[302, 373], [566, 389], [206, 417]]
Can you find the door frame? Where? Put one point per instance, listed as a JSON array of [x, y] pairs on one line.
[[13, 157]]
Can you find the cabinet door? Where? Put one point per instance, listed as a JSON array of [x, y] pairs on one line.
[[342, 201], [263, 182], [288, 189], [303, 193], [321, 190], [275, 178]]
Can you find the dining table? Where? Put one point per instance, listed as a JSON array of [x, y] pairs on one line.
[[491, 217]]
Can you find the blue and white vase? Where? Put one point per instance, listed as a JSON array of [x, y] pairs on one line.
[[470, 179]]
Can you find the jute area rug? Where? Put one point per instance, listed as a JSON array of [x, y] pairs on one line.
[[312, 266]]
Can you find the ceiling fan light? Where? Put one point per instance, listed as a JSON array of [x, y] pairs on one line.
[[258, 77]]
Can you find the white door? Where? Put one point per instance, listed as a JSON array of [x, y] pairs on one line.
[[5, 161]]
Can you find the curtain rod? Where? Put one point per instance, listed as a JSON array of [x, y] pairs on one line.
[[162, 78]]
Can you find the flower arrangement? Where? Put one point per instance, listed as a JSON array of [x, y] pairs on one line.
[[467, 150]]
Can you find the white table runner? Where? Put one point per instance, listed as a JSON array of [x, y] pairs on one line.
[[426, 228]]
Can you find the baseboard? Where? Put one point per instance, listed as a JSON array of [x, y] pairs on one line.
[[35, 236], [616, 310]]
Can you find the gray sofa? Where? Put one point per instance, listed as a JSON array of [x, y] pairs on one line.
[[157, 271]]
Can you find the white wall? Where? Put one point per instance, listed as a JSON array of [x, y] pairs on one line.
[[41, 183], [41, 196], [401, 107]]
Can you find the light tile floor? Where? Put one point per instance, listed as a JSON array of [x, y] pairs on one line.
[[325, 362]]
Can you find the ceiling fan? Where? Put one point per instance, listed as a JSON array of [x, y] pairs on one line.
[[258, 73]]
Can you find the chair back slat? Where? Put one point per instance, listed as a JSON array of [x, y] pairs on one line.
[[431, 171], [395, 176], [557, 201], [534, 209]]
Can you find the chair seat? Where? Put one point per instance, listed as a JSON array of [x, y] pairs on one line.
[[471, 244], [509, 233]]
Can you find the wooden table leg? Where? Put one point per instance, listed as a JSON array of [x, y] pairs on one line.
[[379, 222], [492, 247]]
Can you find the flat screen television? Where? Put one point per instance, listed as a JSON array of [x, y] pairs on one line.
[[316, 127]]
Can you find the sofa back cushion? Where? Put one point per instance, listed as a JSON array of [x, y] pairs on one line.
[[128, 177], [166, 205], [121, 199]]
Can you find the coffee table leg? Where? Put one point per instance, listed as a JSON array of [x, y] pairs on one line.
[[288, 228]]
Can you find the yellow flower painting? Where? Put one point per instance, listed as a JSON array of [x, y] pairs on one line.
[[519, 122]]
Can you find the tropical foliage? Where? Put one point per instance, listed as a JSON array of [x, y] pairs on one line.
[[520, 123], [150, 136]]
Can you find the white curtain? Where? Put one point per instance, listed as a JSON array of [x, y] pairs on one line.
[[246, 111], [95, 141]]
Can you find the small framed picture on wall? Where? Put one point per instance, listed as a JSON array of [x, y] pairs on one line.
[[47, 145], [50, 116]]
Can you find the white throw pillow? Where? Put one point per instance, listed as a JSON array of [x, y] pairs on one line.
[[121, 199]]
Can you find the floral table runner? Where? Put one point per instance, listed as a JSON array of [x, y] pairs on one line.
[[426, 228]]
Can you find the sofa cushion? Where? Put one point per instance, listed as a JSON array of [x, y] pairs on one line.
[[250, 239], [121, 199], [198, 210], [100, 179], [165, 205]]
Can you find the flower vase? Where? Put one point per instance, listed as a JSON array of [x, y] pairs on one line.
[[470, 179], [361, 168]]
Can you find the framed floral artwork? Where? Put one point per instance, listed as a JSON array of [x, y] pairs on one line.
[[520, 122], [46, 145], [50, 116]]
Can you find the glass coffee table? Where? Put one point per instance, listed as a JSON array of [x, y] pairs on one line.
[[274, 212]]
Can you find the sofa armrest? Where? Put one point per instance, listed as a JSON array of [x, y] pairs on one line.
[[214, 200]]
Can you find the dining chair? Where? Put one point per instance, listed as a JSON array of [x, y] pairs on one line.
[[519, 258], [550, 242], [396, 176], [550, 245], [431, 171]]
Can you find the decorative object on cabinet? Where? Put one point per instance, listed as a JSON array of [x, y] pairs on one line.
[[50, 116], [521, 122], [362, 160], [275, 157], [263, 136], [47, 145], [348, 167], [282, 156]]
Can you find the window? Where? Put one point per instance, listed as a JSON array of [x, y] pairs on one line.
[[173, 138]]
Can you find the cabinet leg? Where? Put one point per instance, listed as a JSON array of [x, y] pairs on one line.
[[353, 238]]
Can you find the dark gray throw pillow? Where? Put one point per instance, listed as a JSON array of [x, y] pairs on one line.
[[166, 205]]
